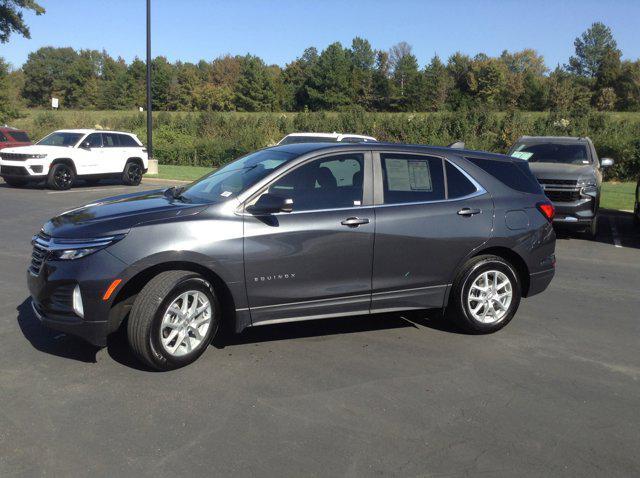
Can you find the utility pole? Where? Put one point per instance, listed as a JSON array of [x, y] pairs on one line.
[[149, 116]]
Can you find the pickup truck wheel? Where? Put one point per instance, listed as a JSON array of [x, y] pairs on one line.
[[485, 295], [61, 176], [592, 230], [132, 174], [16, 182], [173, 320]]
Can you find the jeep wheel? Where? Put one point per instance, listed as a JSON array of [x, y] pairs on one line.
[[16, 182], [173, 320], [485, 296], [61, 176], [132, 174]]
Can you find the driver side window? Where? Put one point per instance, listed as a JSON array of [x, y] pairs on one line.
[[328, 183]]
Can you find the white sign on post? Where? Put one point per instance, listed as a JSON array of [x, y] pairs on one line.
[[55, 102]]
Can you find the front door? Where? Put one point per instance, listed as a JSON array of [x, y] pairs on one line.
[[430, 216], [315, 261]]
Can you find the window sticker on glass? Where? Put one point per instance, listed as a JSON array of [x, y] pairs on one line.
[[522, 155], [226, 194], [420, 176], [398, 174]]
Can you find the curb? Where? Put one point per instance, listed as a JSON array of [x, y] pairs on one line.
[[160, 180]]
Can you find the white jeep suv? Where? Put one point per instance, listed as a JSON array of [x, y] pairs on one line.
[[65, 155]]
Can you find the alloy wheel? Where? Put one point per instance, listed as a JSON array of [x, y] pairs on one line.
[[134, 173], [489, 297], [63, 177], [185, 323]]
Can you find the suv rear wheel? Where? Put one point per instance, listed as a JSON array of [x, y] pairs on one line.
[[61, 176], [132, 174], [485, 295], [173, 320]]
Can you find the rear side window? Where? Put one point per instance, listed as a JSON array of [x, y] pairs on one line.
[[412, 178], [3, 138], [110, 140], [127, 141], [20, 136], [514, 175], [457, 183]]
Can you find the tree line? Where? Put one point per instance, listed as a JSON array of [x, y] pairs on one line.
[[334, 79]]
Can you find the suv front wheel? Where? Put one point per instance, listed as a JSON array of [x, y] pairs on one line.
[[173, 320], [61, 176], [485, 295]]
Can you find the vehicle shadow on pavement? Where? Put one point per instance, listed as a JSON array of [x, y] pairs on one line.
[[79, 184], [50, 341], [614, 228], [335, 326]]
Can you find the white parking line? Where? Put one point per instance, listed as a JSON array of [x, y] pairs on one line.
[[614, 232], [86, 190]]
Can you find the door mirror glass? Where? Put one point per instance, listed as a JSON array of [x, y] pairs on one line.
[[85, 145], [270, 204], [606, 162]]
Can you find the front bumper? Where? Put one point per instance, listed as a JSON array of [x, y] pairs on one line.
[[30, 169], [580, 212], [52, 287]]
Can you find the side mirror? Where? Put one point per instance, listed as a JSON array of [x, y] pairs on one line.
[[271, 203], [85, 145], [606, 162]]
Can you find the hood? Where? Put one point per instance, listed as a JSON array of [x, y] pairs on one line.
[[36, 149], [118, 214], [561, 171]]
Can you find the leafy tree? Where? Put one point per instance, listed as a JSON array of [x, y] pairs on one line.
[[591, 48], [8, 106], [381, 82], [363, 58], [12, 19], [47, 72]]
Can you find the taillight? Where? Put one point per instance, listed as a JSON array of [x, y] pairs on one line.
[[547, 210]]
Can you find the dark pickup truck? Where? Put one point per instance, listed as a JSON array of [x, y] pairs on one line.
[[570, 173]]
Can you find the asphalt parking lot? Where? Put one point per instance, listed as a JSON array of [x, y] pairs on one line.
[[556, 392]]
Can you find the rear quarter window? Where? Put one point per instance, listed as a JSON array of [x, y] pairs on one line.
[[3, 138], [128, 141], [515, 175]]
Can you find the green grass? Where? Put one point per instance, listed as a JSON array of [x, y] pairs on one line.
[[618, 195], [183, 173], [614, 195]]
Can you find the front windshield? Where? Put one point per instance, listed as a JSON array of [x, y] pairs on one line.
[[236, 177], [61, 139], [552, 153]]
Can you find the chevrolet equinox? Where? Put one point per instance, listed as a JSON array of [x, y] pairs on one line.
[[298, 232]]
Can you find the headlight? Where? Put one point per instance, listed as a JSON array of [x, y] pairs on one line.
[[70, 249], [589, 186]]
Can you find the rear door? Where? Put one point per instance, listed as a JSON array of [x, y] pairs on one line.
[[113, 159], [315, 261], [430, 215]]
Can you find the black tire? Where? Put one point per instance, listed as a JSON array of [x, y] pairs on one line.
[[61, 177], [144, 325], [459, 309], [636, 215], [132, 174], [16, 182]]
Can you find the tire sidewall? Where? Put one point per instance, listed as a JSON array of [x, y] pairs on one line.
[[469, 278], [52, 180], [125, 174], [162, 358]]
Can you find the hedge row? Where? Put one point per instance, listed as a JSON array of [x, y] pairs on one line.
[[212, 139]]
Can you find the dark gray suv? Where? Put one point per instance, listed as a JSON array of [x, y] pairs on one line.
[[298, 232]]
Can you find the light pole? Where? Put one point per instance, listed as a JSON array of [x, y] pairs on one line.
[[149, 116]]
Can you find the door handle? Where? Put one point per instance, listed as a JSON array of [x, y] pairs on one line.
[[467, 211], [354, 221]]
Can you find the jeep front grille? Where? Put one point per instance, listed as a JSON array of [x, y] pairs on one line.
[[14, 156]]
